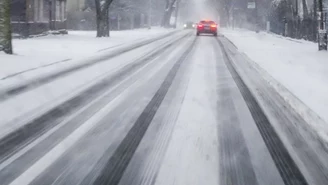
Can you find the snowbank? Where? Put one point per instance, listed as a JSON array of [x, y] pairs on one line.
[[296, 64]]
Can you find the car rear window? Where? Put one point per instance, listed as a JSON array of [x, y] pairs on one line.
[[207, 22]]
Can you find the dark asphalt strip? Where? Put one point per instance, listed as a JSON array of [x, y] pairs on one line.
[[30, 131], [235, 165], [18, 89], [308, 146], [116, 164], [234, 162], [285, 164]]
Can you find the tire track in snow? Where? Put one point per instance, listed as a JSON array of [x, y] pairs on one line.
[[305, 146], [59, 169], [235, 163], [18, 139], [20, 88], [118, 162], [192, 156], [146, 161], [285, 164], [79, 160]]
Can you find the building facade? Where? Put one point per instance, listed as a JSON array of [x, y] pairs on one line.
[[80, 16], [31, 17], [75, 5]]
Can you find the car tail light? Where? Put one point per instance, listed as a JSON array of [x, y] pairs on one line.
[[200, 25], [213, 25]]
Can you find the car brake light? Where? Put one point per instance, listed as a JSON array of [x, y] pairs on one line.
[[213, 26], [200, 25]]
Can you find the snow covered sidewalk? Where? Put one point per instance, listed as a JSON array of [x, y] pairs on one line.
[[295, 64], [33, 53]]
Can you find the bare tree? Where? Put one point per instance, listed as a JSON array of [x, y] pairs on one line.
[[168, 12], [5, 27], [305, 9], [102, 10], [225, 9]]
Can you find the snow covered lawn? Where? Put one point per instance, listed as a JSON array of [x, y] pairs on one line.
[[40, 51], [296, 64]]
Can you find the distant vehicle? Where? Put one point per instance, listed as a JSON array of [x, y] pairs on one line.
[[207, 26], [189, 25]]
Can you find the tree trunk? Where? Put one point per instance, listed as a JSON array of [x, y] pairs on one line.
[[305, 9], [107, 23], [165, 13], [102, 26], [168, 13], [102, 12], [166, 19], [5, 27], [176, 11]]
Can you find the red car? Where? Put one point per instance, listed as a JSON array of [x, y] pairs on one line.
[[207, 27]]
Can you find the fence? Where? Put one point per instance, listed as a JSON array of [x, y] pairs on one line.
[[300, 29], [87, 20]]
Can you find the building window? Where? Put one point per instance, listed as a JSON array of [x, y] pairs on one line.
[[38, 10]]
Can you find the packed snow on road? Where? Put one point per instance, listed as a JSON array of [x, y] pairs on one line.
[[176, 92]]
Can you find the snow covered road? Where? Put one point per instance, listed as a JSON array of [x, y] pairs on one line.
[[176, 112]]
